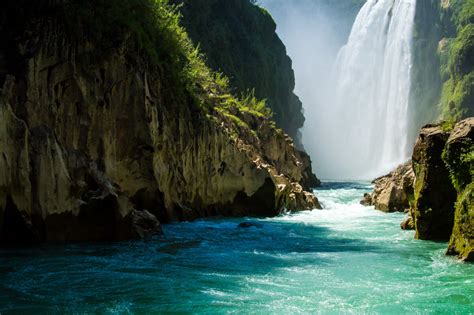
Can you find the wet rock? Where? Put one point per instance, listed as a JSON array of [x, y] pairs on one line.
[[297, 199], [442, 207], [407, 224], [367, 201], [145, 224], [309, 180], [393, 191], [246, 225], [174, 247]]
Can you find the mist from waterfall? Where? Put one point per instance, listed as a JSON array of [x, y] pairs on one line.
[[365, 121], [356, 101]]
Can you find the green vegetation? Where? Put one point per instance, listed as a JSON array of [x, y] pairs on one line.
[[460, 163], [150, 33], [448, 125], [462, 238], [457, 63], [239, 40]]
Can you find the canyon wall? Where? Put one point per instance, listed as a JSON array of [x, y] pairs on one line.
[[110, 121], [239, 39]]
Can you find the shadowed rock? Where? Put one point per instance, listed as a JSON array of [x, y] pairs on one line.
[[247, 225], [434, 192]]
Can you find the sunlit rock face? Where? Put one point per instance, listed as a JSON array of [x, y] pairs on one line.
[[436, 188], [394, 191]]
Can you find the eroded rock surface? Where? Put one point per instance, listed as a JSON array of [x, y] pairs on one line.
[[92, 148], [393, 191], [434, 192]]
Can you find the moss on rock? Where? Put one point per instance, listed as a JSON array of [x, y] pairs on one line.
[[434, 192], [459, 158], [462, 238]]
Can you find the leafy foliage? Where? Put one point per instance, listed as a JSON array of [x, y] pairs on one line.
[[457, 63]]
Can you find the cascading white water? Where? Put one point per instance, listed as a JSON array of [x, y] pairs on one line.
[[363, 128]]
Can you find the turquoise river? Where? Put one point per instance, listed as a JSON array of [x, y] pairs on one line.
[[344, 259]]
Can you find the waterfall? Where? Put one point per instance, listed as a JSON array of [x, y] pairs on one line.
[[363, 129]]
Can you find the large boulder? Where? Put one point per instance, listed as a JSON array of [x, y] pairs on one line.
[[459, 156], [392, 192], [434, 193]]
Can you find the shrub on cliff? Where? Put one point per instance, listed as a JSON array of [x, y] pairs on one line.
[[152, 28]]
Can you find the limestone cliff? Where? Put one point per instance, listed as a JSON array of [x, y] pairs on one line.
[[426, 75], [96, 139], [442, 61]]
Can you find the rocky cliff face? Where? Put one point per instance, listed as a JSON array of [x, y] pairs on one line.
[[97, 148], [426, 75], [459, 156], [436, 188], [239, 39], [456, 51], [442, 51], [434, 192]]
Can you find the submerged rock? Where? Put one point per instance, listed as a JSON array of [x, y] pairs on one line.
[[393, 191], [408, 223], [145, 224], [247, 225]]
